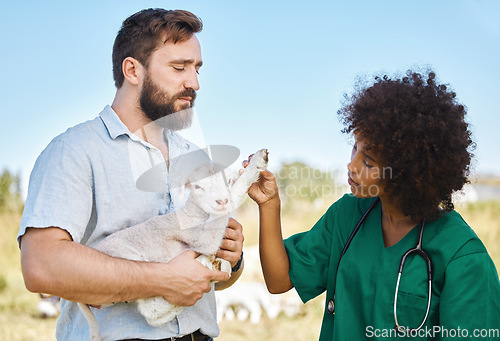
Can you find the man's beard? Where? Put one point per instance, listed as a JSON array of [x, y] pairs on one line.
[[160, 108]]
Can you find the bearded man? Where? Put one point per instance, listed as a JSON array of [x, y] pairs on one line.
[[83, 188]]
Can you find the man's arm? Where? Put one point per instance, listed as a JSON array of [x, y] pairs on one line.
[[52, 263]]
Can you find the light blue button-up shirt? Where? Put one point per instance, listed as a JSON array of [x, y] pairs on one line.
[[86, 182]]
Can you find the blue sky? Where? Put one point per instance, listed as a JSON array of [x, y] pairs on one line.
[[274, 71]]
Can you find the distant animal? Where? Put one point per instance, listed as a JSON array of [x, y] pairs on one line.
[[199, 225], [250, 299], [49, 306]]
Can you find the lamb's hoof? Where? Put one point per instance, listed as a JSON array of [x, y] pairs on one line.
[[223, 265], [217, 264]]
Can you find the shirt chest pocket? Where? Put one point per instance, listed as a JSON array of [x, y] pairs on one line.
[[412, 301], [411, 311]]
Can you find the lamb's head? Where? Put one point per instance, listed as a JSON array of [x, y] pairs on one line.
[[209, 189]]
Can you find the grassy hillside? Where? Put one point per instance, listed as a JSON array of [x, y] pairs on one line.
[[19, 319]]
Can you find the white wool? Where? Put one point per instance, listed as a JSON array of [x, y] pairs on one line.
[[199, 225]]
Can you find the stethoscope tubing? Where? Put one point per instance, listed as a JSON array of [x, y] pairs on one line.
[[351, 236], [356, 228], [417, 249]]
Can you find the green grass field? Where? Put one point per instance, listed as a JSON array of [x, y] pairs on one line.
[[19, 318]]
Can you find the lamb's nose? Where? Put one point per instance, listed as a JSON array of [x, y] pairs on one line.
[[221, 202]]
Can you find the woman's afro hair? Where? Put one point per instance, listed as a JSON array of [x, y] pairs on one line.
[[416, 128]]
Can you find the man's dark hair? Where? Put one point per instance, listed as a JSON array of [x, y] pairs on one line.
[[143, 32], [417, 128]]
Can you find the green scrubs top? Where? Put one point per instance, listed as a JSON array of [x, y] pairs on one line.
[[465, 286]]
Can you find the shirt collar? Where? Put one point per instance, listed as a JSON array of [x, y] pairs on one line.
[[113, 123]]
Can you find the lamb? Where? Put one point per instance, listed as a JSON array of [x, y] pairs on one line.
[[250, 298], [198, 225]]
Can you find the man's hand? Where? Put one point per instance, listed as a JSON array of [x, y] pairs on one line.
[[232, 244], [190, 280], [52, 263]]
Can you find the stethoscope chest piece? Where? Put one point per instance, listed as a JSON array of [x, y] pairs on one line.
[[330, 307]]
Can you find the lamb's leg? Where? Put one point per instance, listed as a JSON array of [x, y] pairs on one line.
[[257, 164], [93, 326], [251, 174], [157, 310], [215, 263]]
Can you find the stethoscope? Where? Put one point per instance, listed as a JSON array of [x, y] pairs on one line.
[[416, 250]]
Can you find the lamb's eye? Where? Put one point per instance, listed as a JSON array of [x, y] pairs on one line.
[[197, 187]]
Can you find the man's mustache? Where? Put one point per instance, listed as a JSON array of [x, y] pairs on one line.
[[187, 93]]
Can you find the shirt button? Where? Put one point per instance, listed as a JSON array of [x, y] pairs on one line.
[[330, 307]]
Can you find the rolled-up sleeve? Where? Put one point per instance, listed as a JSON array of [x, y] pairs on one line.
[[60, 191]]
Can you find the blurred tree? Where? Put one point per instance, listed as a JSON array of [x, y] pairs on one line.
[[10, 192], [299, 183]]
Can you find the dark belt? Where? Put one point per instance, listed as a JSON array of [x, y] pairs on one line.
[[195, 336]]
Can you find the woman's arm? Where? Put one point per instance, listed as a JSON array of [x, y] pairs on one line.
[[273, 256]]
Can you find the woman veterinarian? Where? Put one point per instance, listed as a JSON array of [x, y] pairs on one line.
[[395, 259]]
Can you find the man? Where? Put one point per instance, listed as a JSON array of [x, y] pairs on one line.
[[83, 188]]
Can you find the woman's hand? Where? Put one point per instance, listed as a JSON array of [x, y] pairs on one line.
[[265, 190]]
